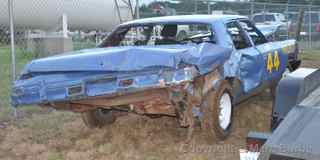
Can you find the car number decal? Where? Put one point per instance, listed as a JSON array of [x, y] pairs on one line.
[[276, 60], [273, 62]]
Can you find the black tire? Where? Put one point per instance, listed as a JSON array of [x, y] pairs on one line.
[[211, 111], [98, 118]]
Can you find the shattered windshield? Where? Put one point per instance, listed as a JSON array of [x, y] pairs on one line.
[[160, 34]]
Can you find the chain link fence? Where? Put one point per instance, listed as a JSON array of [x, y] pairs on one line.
[[257, 11], [45, 27], [4, 25]]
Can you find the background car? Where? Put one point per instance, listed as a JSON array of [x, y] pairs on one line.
[[276, 21], [310, 26]]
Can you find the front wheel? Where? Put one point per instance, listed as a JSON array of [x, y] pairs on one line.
[[98, 118], [217, 110]]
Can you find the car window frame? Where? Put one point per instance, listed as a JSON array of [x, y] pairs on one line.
[[256, 30], [107, 42], [242, 33]]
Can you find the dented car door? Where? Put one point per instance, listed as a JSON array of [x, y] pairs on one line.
[[250, 68], [274, 61]]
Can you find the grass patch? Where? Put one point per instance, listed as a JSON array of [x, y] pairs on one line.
[[6, 76], [311, 55], [55, 156], [83, 45], [48, 126]]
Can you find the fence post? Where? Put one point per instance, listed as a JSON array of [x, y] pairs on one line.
[[137, 9], [65, 25], [13, 51], [209, 7], [195, 6], [287, 18], [310, 26], [252, 10]]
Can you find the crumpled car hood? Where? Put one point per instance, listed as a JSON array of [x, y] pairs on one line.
[[132, 58]]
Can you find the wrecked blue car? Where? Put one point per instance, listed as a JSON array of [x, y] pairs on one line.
[[195, 68]]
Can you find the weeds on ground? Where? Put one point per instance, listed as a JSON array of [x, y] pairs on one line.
[[5, 79], [55, 156], [310, 55]]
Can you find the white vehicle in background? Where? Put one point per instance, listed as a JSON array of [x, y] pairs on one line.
[[184, 30], [273, 22], [221, 12], [268, 18]]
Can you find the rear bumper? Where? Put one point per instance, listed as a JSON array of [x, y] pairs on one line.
[[41, 93]]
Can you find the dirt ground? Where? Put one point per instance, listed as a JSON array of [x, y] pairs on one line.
[[60, 135], [51, 135]]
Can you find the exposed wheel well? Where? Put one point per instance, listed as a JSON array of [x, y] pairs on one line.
[[236, 86]]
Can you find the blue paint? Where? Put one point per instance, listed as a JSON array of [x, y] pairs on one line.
[[99, 71]]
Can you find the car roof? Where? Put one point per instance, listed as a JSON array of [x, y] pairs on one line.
[[186, 19]]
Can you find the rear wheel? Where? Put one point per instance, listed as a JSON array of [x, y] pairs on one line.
[[98, 118], [217, 111]]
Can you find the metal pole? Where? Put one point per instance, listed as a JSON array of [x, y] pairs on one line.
[[118, 10], [13, 51], [137, 9], [252, 10], [310, 27], [65, 25], [196, 6], [131, 9], [209, 7], [287, 18], [264, 12]]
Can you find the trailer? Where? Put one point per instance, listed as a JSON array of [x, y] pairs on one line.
[[295, 121]]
